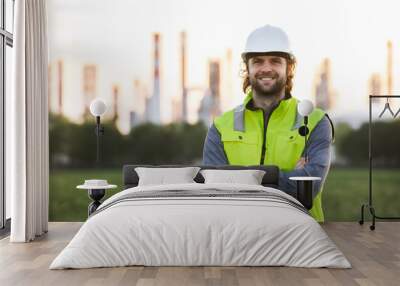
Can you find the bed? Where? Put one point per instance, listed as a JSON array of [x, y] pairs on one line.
[[201, 224]]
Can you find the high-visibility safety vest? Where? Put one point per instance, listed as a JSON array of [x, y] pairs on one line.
[[246, 142]]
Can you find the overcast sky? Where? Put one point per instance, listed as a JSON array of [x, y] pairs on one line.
[[116, 35]]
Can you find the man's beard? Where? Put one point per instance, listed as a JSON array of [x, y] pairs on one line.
[[273, 90]]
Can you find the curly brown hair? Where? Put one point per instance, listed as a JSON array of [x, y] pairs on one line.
[[291, 65]]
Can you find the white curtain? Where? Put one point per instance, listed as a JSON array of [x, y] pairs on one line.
[[28, 123]]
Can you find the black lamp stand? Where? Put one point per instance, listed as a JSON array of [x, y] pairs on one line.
[[99, 130], [303, 131]]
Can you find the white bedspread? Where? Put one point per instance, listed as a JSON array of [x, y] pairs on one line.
[[200, 231]]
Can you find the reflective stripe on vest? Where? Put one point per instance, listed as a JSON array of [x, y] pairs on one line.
[[238, 118], [242, 130]]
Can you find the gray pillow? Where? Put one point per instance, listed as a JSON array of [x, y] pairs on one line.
[[248, 177], [165, 176]]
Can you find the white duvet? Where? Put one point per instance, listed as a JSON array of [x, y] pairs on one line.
[[200, 231]]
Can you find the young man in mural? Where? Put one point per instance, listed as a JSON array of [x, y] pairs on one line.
[[264, 130]]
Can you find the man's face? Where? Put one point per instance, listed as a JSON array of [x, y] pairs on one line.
[[267, 74]]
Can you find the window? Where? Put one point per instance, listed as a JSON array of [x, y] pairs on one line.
[[6, 44]]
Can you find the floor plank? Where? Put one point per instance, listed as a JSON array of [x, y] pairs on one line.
[[374, 255]]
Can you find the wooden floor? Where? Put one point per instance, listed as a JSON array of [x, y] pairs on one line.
[[374, 255]]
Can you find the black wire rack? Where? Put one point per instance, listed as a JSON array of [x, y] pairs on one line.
[[369, 205]]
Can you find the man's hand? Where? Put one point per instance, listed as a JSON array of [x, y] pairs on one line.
[[300, 164]]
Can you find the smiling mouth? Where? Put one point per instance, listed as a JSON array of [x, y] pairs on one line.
[[265, 79]]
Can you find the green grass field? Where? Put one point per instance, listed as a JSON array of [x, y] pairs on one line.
[[344, 192]]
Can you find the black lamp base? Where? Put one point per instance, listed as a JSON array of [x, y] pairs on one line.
[[96, 195], [304, 193]]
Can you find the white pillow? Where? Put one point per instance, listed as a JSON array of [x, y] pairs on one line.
[[248, 177], [164, 176]]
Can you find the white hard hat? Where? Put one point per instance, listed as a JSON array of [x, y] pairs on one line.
[[267, 39]]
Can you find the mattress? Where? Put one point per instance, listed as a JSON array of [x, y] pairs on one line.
[[201, 225]]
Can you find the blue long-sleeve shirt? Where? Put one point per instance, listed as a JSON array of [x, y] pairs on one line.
[[318, 152]]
